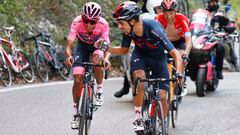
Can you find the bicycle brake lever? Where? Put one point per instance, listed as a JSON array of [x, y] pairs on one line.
[[106, 74]]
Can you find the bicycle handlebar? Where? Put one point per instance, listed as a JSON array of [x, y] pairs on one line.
[[138, 80], [32, 37], [89, 64]]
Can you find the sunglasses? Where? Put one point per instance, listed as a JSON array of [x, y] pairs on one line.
[[86, 21]]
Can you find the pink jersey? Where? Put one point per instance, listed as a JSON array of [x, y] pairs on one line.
[[100, 31]]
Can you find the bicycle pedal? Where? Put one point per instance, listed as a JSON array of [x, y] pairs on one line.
[[139, 132], [95, 108]]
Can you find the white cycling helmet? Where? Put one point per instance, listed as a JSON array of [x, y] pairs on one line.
[[151, 4], [91, 11]]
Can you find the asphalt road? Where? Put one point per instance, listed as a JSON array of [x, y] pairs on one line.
[[46, 109]]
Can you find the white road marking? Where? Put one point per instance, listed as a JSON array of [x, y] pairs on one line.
[[27, 86]]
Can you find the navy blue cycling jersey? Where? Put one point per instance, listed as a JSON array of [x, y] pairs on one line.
[[152, 43]]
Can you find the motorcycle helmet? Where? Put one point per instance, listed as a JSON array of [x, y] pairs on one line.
[[210, 7], [230, 28], [151, 4]]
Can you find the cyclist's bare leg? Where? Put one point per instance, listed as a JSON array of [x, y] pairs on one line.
[[183, 64], [184, 92], [163, 99], [77, 87], [98, 71], [76, 92], [138, 100]]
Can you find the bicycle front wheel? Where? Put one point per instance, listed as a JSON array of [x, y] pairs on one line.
[[83, 110], [158, 122], [27, 69], [174, 106], [5, 73]]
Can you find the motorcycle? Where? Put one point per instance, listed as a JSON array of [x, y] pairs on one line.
[[201, 67]]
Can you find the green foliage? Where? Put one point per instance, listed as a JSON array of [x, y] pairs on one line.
[[26, 16]]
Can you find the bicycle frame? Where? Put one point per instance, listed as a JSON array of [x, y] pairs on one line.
[[49, 57], [85, 105], [8, 58], [153, 100]]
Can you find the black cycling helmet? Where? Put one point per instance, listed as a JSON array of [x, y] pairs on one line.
[[126, 11], [169, 5]]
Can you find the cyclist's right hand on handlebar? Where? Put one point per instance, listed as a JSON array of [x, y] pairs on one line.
[[69, 61]]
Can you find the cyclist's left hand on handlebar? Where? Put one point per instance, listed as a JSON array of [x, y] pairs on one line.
[[185, 59], [179, 78], [106, 63], [101, 44], [69, 61]]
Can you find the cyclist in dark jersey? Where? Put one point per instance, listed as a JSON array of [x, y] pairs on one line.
[[150, 14], [149, 52], [176, 28]]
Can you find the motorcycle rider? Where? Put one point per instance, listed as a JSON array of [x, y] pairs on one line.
[[212, 6]]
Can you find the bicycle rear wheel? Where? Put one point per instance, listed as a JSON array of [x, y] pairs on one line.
[[41, 66], [5, 73], [27, 71], [158, 122]]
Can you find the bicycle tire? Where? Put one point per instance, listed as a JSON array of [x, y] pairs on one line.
[[5, 73], [158, 120], [62, 68], [41, 66], [89, 110], [145, 113], [168, 115], [27, 73], [82, 105], [174, 107]]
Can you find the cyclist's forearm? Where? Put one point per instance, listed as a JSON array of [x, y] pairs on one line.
[[188, 44], [68, 50], [118, 50], [177, 60], [107, 55]]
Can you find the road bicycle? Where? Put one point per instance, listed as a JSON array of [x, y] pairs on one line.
[[86, 105], [14, 58], [47, 57], [174, 94], [152, 113]]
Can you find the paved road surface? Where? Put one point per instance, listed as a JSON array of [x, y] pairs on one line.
[[47, 110]]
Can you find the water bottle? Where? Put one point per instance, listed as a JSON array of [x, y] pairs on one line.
[[151, 110]]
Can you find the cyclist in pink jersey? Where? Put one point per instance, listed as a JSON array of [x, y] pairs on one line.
[[88, 28], [176, 28]]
